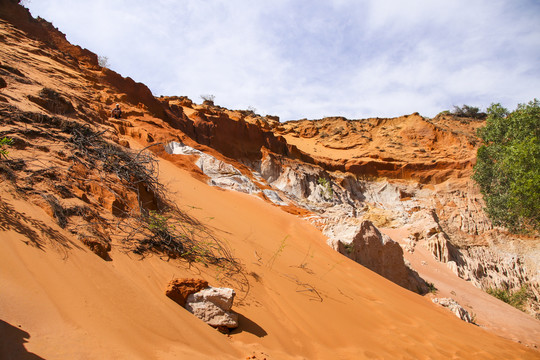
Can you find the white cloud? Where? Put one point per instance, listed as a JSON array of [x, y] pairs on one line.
[[296, 59]]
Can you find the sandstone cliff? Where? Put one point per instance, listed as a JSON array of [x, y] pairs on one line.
[[361, 183], [408, 172]]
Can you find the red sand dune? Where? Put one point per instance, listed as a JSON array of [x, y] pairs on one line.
[[305, 302]]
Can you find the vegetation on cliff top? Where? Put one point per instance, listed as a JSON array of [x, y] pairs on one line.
[[468, 111], [508, 166]]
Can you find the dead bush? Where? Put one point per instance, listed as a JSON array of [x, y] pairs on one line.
[[151, 223]]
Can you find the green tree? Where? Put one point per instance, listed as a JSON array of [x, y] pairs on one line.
[[508, 166]]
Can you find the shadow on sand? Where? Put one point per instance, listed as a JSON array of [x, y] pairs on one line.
[[247, 325], [34, 230], [12, 340]]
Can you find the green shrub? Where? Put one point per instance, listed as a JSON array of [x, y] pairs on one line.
[[517, 298], [327, 186], [432, 288], [444, 112], [468, 111], [4, 143], [158, 223], [349, 248], [508, 166]]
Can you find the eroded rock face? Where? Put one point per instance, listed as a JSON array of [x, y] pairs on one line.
[[221, 174], [458, 233], [453, 306], [381, 254], [307, 185], [447, 218], [274, 197], [489, 267], [213, 306], [439, 246], [98, 246]]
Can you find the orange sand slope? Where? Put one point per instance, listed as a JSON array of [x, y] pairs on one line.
[[304, 300]]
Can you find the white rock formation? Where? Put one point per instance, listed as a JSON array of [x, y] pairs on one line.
[[379, 253], [177, 148], [213, 306], [220, 173], [439, 246], [453, 306], [274, 197]]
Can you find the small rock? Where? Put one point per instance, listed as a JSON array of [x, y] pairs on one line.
[[453, 305], [213, 306], [179, 289]]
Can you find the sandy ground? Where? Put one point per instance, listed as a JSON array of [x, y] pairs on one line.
[[304, 300], [489, 313]]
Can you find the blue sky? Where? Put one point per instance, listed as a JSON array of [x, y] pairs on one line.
[[309, 58]]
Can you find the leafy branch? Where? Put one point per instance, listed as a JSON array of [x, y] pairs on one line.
[[4, 143]]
